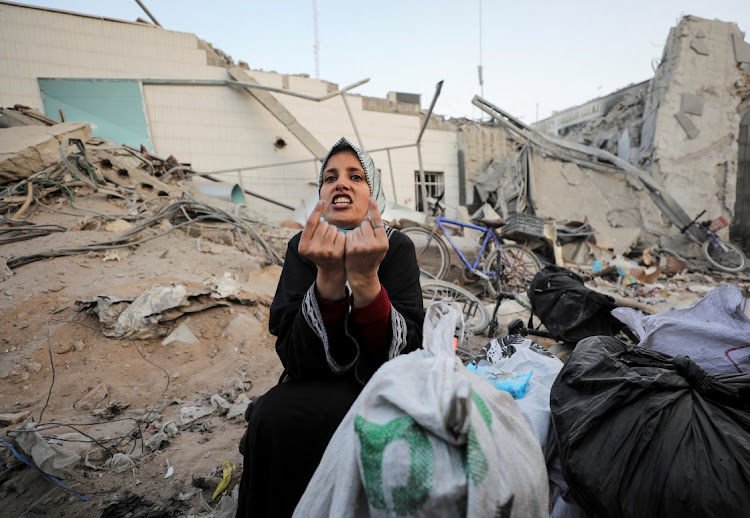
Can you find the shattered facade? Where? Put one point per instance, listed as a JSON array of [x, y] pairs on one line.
[[689, 128]]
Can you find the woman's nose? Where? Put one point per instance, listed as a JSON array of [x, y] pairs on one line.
[[342, 183]]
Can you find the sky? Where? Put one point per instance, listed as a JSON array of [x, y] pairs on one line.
[[537, 57]]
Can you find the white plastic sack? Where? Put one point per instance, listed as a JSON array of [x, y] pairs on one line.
[[428, 438], [715, 333], [520, 355]]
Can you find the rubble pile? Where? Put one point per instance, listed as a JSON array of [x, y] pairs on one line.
[[133, 314]]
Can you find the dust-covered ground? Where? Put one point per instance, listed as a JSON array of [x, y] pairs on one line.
[[54, 353]]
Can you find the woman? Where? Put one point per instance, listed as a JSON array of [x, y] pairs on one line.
[[347, 301]]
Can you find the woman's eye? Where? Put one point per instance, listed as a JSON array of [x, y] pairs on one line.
[[329, 179], [356, 177]]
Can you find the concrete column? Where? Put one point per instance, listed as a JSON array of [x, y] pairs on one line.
[[739, 231]]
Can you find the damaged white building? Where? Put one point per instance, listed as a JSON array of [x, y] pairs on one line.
[[684, 132], [139, 84]]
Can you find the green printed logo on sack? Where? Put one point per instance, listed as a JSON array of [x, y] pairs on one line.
[[407, 499]]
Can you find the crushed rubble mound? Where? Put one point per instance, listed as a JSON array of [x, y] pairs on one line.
[[133, 325]]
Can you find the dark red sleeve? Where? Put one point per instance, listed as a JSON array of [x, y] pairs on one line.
[[373, 323], [333, 314]]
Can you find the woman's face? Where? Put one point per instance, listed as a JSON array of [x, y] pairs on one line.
[[345, 190]]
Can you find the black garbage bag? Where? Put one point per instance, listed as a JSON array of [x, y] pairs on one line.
[[568, 309], [641, 433]]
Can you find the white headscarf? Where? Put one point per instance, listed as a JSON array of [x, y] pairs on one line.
[[371, 172]]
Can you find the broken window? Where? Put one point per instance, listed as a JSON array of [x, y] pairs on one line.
[[434, 183]]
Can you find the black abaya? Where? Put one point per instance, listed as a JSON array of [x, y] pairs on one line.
[[292, 423]]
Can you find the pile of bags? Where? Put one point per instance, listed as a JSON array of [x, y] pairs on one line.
[[427, 437]]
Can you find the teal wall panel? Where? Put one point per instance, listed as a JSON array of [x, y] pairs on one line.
[[113, 108]]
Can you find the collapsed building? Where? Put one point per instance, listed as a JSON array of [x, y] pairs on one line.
[[637, 164], [687, 128]]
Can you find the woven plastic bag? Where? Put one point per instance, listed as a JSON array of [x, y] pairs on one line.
[[426, 437]]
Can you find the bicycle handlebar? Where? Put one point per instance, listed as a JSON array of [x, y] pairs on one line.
[[684, 229]]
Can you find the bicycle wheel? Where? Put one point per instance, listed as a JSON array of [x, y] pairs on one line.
[[475, 315], [432, 252], [730, 259], [521, 268]]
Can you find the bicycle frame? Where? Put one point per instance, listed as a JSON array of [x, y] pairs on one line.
[[488, 232], [706, 233]]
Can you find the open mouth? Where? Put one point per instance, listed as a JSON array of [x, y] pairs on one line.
[[341, 200]]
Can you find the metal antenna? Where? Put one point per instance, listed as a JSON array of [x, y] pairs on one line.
[[316, 46], [480, 68], [145, 9]]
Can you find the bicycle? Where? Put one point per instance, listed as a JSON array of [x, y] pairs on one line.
[[474, 315], [721, 255], [515, 268]]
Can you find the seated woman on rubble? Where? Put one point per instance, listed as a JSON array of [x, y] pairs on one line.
[[348, 300]]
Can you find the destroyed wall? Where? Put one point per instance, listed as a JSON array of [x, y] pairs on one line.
[[684, 128], [691, 123], [216, 128], [612, 122], [566, 191], [479, 145]]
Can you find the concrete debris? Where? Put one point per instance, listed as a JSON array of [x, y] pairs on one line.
[[699, 46], [741, 49], [92, 399], [216, 403], [502, 185], [21, 115], [182, 334], [687, 125], [691, 103], [120, 462], [118, 225], [684, 167], [5, 272], [25, 150], [168, 432], [140, 318], [238, 407], [224, 287], [9, 419]]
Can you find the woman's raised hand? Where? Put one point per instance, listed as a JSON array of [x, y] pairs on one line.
[[324, 245], [365, 248]]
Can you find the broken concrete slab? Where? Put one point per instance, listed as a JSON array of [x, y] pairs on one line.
[[691, 103], [123, 170], [618, 240], [690, 129], [10, 117], [131, 312], [25, 150], [182, 334], [9, 419], [741, 49], [94, 396], [699, 46]]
